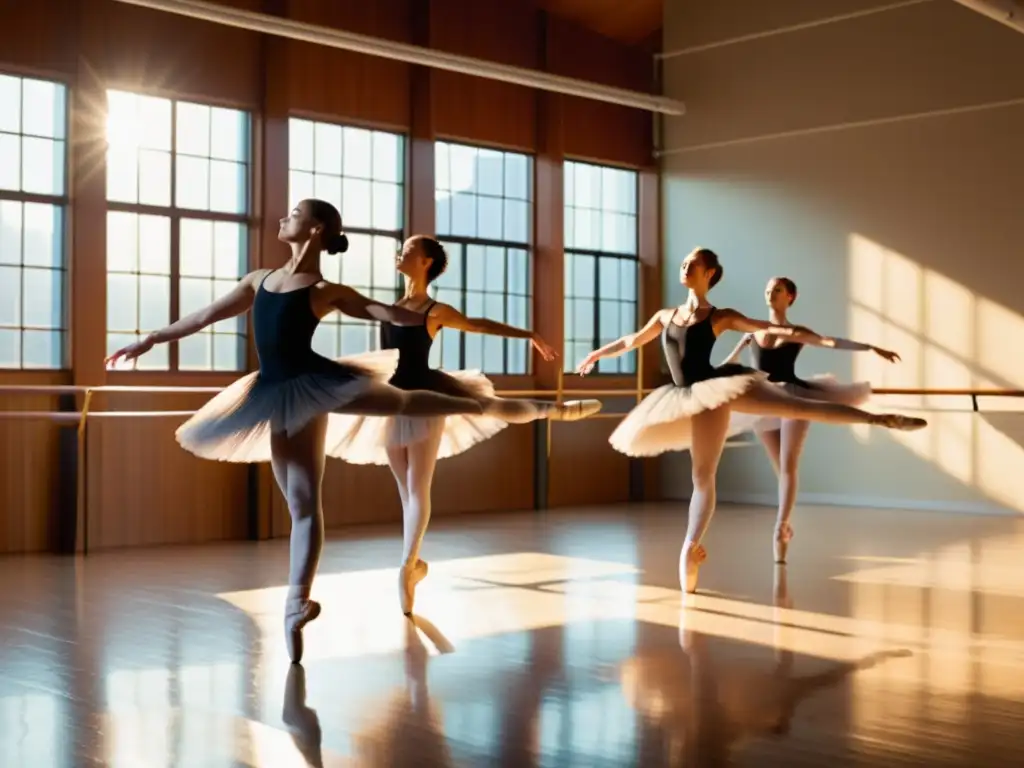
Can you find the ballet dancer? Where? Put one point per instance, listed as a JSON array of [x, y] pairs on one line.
[[694, 410], [280, 412], [411, 445], [783, 439]]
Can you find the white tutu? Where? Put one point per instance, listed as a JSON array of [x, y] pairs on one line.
[[236, 424], [824, 387], [365, 439], [661, 421]]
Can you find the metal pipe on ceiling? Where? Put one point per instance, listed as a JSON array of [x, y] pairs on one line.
[[411, 54], [1006, 12]]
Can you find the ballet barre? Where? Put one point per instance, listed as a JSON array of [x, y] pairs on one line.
[[84, 412]]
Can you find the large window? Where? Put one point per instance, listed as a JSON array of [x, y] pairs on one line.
[[33, 193], [483, 208], [177, 225], [361, 172], [601, 264]]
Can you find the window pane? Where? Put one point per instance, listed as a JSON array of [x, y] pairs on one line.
[[583, 271], [464, 215], [300, 145], [228, 352], [608, 275], [10, 232], [518, 356], [442, 167], [518, 272], [327, 149], [10, 104], [10, 162], [122, 302], [356, 267], [42, 349], [42, 166], [154, 177], [229, 135], [10, 296], [328, 189], [123, 175], [45, 300], [227, 187], [490, 173], [517, 221], [10, 348], [154, 302], [193, 129], [43, 235], [475, 268], [193, 295], [193, 183], [387, 157], [356, 203], [325, 339], [195, 248], [385, 275], [229, 250], [489, 218], [154, 244], [300, 187], [195, 352], [122, 242], [386, 206], [43, 112], [517, 180], [358, 153]]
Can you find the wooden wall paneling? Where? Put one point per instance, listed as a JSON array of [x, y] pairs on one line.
[[473, 109], [344, 86], [38, 38], [596, 130]]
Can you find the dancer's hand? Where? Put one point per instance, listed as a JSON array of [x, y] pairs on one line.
[[130, 352], [588, 364], [887, 354], [545, 349]]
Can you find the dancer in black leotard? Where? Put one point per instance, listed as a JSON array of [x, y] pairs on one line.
[[412, 445], [782, 438], [693, 411], [280, 413]]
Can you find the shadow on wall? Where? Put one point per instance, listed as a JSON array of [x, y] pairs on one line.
[[903, 235]]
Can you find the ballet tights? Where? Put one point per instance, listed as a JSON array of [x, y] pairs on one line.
[[709, 429], [784, 447], [516, 411], [413, 468], [385, 400], [298, 462]]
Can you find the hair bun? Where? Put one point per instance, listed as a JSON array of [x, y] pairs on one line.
[[337, 244]]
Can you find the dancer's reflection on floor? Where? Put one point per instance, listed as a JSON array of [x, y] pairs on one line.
[[704, 711]]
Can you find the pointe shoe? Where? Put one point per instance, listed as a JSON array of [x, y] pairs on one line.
[[294, 622], [900, 422], [690, 560], [574, 410], [783, 535], [408, 577]]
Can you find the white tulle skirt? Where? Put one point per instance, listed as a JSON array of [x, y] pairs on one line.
[[824, 387], [661, 422], [236, 424], [366, 439]]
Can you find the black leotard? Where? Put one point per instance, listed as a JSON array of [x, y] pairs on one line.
[[413, 343], [283, 326], [688, 352], [780, 362]]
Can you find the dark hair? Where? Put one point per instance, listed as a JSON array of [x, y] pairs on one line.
[[709, 259], [434, 251], [333, 239], [790, 287]]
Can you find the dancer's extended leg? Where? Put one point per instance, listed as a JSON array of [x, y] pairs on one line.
[[516, 411], [421, 458], [298, 463], [766, 400], [708, 434], [386, 400]]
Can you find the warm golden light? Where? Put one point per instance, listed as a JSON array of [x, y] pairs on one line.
[[948, 338]]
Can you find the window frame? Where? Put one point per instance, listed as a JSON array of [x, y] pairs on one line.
[[464, 242], [62, 203], [399, 235], [175, 214], [599, 254]]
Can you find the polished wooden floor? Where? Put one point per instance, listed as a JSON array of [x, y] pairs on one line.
[[557, 639]]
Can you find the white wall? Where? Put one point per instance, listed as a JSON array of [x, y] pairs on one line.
[[903, 231]]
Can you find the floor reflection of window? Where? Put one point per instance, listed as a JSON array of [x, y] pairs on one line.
[[33, 731]]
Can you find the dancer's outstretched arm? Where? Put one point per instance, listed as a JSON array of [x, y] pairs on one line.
[[623, 345], [238, 300], [731, 320], [857, 346], [734, 356], [351, 302], [449, 317]]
